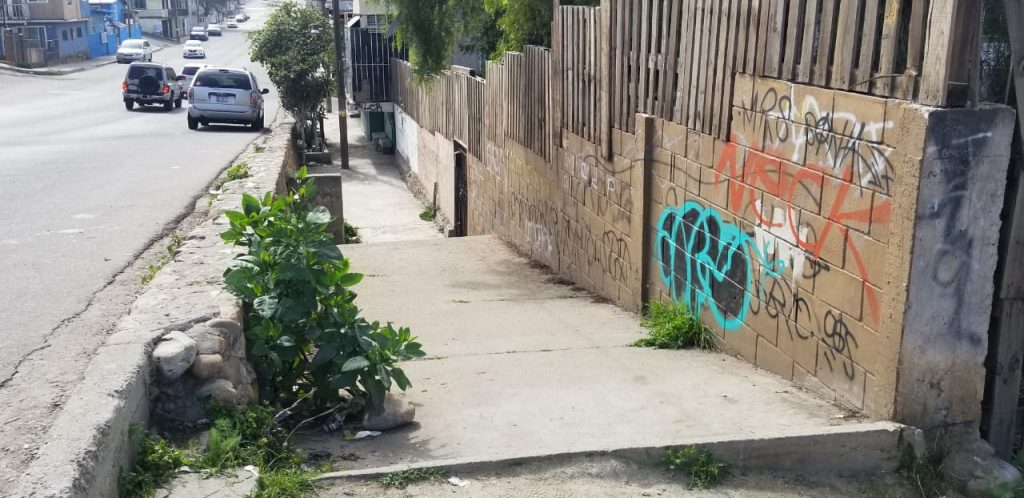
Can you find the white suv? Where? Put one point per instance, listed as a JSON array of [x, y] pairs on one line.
[[225, 95]]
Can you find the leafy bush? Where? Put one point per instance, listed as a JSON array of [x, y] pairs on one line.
[[672, 326], [699, 465], [305, 336]]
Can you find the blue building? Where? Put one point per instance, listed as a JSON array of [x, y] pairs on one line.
[[107, 26]]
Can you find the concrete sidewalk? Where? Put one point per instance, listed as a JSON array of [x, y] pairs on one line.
[[377, 201], [522, 367]]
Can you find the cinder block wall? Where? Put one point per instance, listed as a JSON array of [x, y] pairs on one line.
[[793, 240], [780, 237]]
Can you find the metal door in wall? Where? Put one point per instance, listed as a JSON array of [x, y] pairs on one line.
[[461, 193]]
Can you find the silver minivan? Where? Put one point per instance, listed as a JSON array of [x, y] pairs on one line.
[[225, 95]]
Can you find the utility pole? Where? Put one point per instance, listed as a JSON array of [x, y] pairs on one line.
[[339, 52], [342, 108]]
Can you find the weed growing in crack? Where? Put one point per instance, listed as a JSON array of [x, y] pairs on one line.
[[672, 326], [428, 214], [351, 234], [699, 465], [257, 148], [404, 478], [172, 247], [235, 172], [236, 439]]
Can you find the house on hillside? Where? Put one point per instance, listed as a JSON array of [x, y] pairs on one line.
[[13, 15], [44, 32], [171, 19], [109, 25]]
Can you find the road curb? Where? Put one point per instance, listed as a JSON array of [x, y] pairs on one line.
[[844, 450], [87, 446]]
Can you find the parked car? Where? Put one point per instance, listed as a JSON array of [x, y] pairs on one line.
[[242, 17], [198, 33], [232, 23], [189, 72], [193, 49], [225, 95], [213, 29], [134, 50], [148, 83]]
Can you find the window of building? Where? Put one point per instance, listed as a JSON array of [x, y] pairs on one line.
[[78, 32], [64, 35]]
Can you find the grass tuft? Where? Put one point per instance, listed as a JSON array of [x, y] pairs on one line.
[[699, 465], [235, 172], [172, 248], [428, 214], [404, 478], [351, 234], [672, 326]]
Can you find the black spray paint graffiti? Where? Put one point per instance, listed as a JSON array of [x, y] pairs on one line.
[[842, 140], [839, 339], [609, 252]]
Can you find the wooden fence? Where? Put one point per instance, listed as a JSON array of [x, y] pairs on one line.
[[676, 59], [452, 104]]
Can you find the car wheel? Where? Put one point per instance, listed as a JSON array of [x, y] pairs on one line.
[[168, 105], [129, 104], [193, 123], [177, 103]]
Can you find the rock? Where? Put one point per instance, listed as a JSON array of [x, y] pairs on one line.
[[207, 365], [232, 327], [397, 412], [975, 471], [219, 389], [208, 340], [174, 355]]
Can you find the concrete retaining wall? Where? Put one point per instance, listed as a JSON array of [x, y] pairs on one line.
[[88, 443]]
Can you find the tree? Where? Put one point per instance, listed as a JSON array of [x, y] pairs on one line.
[[296, 47], [432, 29], [210, 6]]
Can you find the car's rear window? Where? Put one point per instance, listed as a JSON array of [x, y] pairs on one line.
[[217, 79], [132, 44], [190, 70], [136, 72]]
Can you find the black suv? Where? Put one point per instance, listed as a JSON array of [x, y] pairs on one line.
[[151, 83]]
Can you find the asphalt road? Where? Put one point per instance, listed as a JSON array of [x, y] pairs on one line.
[[86, 185]]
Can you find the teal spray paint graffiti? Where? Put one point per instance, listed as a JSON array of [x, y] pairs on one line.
[[707, 262]]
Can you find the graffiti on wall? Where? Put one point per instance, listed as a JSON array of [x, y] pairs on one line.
[[708, 263], [776, 214]]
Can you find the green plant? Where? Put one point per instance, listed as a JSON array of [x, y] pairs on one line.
[[403, 478], [172, 247], [351, 234], [922, 472], [235, 172], [672, 326], [699, 465], [236, 438], [284, 483], [222, 447], [155, 464], [428, 214], [257, 148], [305, 335]]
